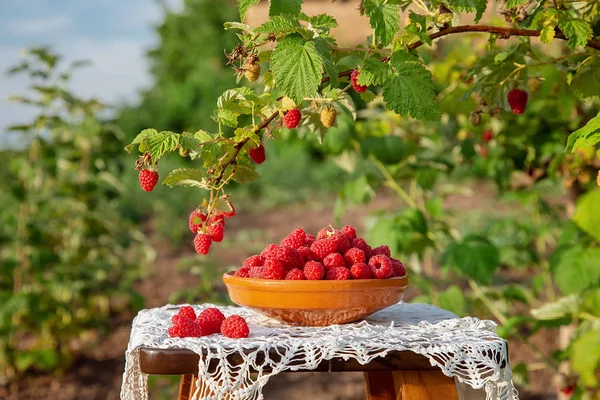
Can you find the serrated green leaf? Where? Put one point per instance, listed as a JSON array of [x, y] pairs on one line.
[[238, 25], [327, 60], [185, 177], [587, 213], [586, 81], [586, 356], [577, 30], [567, 306], [238, 100], [418, 27], [346, 103], [374, 72], [577, 269], [223, 205], [475, 257], [547, 34], [189, 142], [280, 24], [384, 18], [203, 136], [245, 174], [368, 96], [161, 143], [513, 3], [297, 67], [478, 6], [139, 140], [244, 6], [409, 90], [322, 22], [293, 7], [585, 137], [227, 117]]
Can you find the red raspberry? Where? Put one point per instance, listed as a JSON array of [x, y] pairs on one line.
[[338, 274], [360, 243], [295, 275], [398, 267], [187, 312], [173, 331], [357, 87], [273, 269], [385, 250], [175, 319], [295, 239], [256, 272], [310, 239], [189, 328], [341, 242], [314, 270], [381, 266], [305, 255], [333, 260], [257, 154], [354, 256], [270, 251], [235, 327], [517, 99], [210, 320], [322, 248], [196, 220], [324, 233], [242, 272], [349, 232], [202, 243], [216, 232], [253, 261], [292, 118], [488, 135], [568, 390], [289, 256], [361, 271], [148, 179]]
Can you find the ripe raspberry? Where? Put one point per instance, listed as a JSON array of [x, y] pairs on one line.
[[488, 135], [358, 88], [291, 119], [173, 331], [354, 256], [190, 329], [338, 274], [295, 275], [314, 270], [235, 327], [289, 256], [175, 319], [216, 232], [196, 220], [202, 243], [324, 233], [328, 116], [148, 179], [568, 390], [270, 251], [305, 255], [385, 250], [322, 248], [252, 72], [360, 243], [273, 269], [310, 239], [186, 312], [517, 99], [257, 154], [295, 239], [253, 261], [256, 272], [333, 260], [398, 267], [361, 271], [381, 266], [349, 232], [342, 244], [242, 272], [210, 320]]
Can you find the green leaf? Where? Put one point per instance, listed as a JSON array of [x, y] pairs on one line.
[[185, 177], [280, 24], [586, 356], [244, 6], [453, 299], [245, 174], [238, 25], [477, 6], [567, 306], [161, 143], [374, 72], [577, 30], [475, 257], [409, 90], [418, 27], [327, 60], [586, 82], [293, 7], [387, 149], [322, 22], [586, 136], [189, 142], [547, 34], [587, 213], [227, 117], [359, 190], [384, 18], [577, 269], [297, 67], [139, 139], [513, 3]]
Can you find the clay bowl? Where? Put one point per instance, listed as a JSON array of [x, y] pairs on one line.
[[315, 303]]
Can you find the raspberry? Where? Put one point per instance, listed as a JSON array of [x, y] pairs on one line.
[[533, 84], [257, 154], [175, 319], [295, 275], [487, 135], [187, 312], [210, 320], [322, 248], [253, 261], [292, 118], [349, 232], [324, 233], [484, 151], [361, 271], [242, 272], [189, 328], [196, 220], [256, 272], [270, 251], [328, 116], [517, 99], [333, 260], [295, 239], [381, 266], [310, 239], [289, 256], [235, 327], [342, 244], [338, 274], [173, 331], [252, 73], [360, 243], [358, 88], [314, 270], [305, 255], [398, 267], [148, 179], [202, 243], [216, 232], [567, 391], [385, 250], [273, 269], [354, 256]]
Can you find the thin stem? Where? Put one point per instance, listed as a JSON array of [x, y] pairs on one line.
[[487, 302], [391, 182]]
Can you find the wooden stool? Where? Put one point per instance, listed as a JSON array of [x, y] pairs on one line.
[[398, 376]]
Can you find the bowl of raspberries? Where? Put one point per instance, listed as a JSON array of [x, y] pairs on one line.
[[334, 277]]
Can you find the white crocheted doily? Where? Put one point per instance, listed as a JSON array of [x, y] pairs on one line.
[[465, 348]]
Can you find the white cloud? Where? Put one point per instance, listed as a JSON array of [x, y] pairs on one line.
[[33, 26]]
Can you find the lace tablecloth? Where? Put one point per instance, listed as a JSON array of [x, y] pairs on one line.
[[465, 348]]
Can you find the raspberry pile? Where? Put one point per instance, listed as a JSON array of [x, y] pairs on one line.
[[208, 227], [210, 321], [330, 255]]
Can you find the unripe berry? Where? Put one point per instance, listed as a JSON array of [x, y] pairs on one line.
[[328, 116], [475, 118], [252, 72]]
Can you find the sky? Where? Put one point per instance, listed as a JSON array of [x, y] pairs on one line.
[[113, 34]]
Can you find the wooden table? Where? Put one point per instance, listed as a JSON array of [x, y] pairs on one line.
[[398, 376]]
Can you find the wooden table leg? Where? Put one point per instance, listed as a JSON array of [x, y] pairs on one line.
[[186, 385], [409, 385]]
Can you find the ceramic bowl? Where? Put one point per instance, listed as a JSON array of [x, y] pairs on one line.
[[315, 303]]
